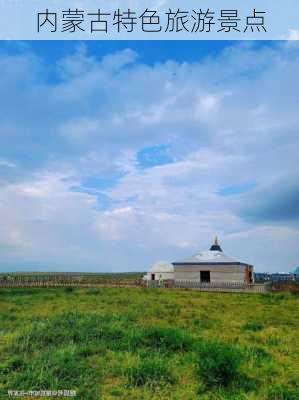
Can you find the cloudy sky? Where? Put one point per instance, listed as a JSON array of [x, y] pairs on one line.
[[118, 154]]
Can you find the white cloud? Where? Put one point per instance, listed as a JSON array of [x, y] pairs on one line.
[[293, 34], [117, 61], [227, 120]]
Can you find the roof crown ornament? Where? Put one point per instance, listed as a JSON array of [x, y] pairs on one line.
[[215, 246]]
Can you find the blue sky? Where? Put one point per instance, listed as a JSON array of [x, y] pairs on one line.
[[114, 155], [148, 52]]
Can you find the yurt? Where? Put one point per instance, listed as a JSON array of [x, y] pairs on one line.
[[160, 271], [213, 266]]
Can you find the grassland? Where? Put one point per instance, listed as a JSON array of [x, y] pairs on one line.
[[131, 343]]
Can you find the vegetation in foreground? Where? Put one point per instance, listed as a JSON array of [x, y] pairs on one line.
[[150, 344]]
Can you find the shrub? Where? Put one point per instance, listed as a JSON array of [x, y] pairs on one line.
[[218, 364], [150, 372]]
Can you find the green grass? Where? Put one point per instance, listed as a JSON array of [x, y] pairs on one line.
[[151, 372], [130, 343], [253, 326], [219, 364], [163, 339]]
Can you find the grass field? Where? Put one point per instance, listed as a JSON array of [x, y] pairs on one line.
[[139, 344]]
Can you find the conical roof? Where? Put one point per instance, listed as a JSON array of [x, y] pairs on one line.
[[214, 256], [215, 246]]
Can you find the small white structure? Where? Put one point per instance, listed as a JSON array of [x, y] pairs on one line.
[[160, 271]]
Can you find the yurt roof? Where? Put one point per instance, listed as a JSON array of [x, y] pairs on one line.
[[212, 257], [162, 266]]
